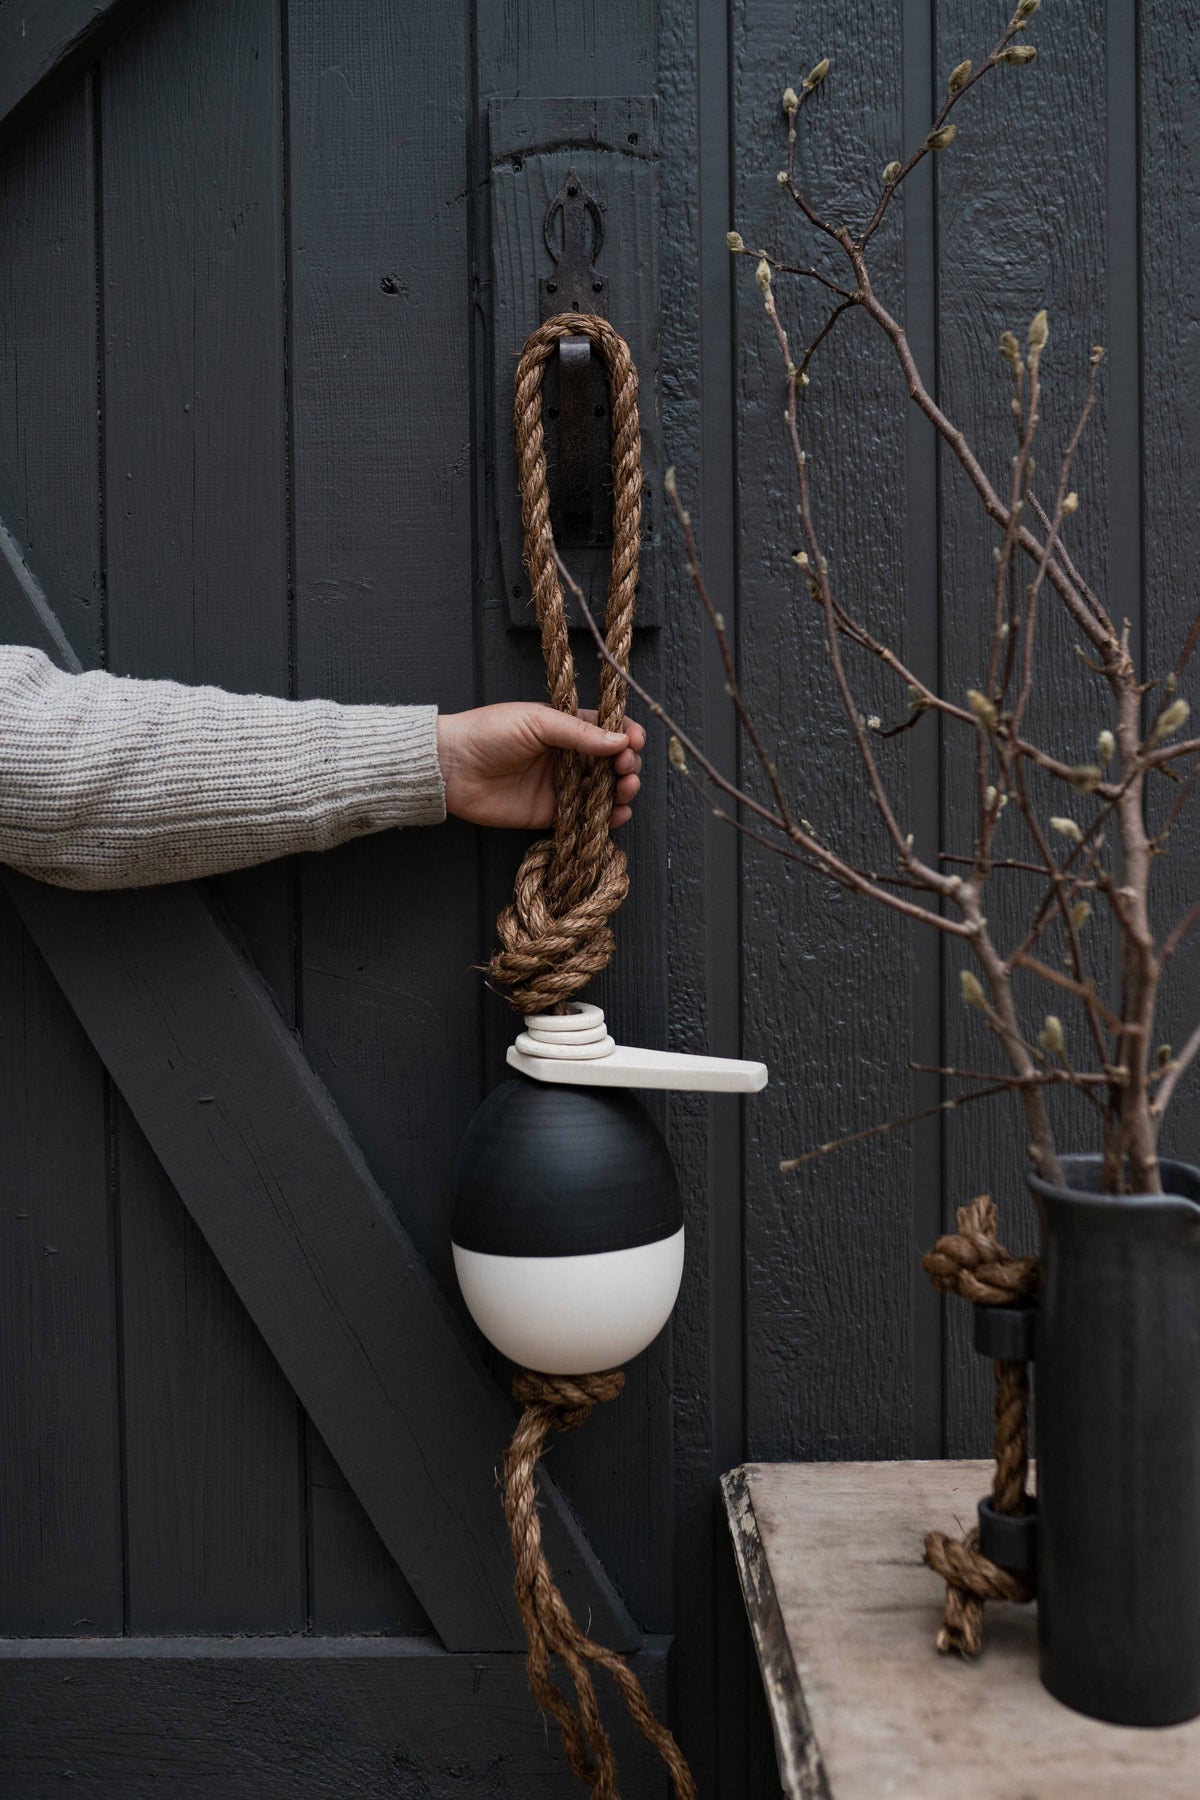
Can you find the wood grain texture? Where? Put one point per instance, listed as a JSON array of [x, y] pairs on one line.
[[382, 450], [835, 1555], [798, 1756], [49, 443], [44, 45], [60, 1468], [380, 454], [1168, 155], [196, 563], [719, 1701], [618, 1470], [60, 1471], [291, 1719], [827, 979], [280, 1192], [1021, 224], [198, 579]]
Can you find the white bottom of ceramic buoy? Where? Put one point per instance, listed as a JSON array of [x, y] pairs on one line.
[[572, 1315]]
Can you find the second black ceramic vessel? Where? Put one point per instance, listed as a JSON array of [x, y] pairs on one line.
[[1118, 1433]]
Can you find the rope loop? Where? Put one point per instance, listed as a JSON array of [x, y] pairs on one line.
[[554, 935]]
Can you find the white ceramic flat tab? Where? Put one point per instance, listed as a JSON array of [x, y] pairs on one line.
[[566, 1048]]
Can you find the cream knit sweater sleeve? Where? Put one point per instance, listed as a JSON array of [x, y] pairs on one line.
[[106, 781]]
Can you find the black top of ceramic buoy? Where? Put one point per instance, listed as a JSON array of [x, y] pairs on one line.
[[550, 1170]]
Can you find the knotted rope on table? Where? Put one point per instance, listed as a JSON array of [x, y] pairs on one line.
[[972, 1263], [554, 935], [563, 1403]]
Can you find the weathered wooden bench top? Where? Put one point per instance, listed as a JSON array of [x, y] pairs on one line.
[[844, 1615]]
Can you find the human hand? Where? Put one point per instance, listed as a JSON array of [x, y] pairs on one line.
[[498, 761]]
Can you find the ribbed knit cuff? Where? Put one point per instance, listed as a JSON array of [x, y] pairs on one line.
[[388, 766]]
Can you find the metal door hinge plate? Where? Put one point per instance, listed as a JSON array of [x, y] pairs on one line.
[[550, 249]]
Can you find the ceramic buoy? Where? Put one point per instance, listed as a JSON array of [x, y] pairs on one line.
[[568, 1226]]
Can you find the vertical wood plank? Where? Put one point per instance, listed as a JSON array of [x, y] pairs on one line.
[[828, 995], [1167, 160], [196, 539], [1021, 224], [216, 1526], [60, 1528], [714, 1663], [60, 1499], [617, 1472], [381, 454]]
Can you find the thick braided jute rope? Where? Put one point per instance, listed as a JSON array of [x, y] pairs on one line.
[[972, 1263], [554, 935], [563, 1403]]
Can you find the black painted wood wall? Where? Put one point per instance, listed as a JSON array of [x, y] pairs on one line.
[[247, 436]]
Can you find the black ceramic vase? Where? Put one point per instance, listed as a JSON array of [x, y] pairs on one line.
[[1118, 1441]]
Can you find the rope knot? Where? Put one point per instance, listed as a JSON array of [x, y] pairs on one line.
[[567, 1400], [549, 948], [973, 1263]]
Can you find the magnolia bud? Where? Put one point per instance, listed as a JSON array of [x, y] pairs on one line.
[[675, 755], [1026, 10], [1106, 744], [938, 140], [959, 77], [1019, 54], [669, 483], [1070, 504], [763, 275], [816, 75], [972, 993], [733, 240], [791, 100], [891, 171], [1010, 348], [1039, 330], [1081, 912], [982, 708], [1067, 828], [1085, 778], [1050, 1037], [1169, 721]]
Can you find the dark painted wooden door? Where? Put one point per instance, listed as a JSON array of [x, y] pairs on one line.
[[251, 1534], [265, 264]]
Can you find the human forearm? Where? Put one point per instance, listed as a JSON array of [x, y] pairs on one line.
[[107, 782]]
